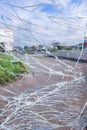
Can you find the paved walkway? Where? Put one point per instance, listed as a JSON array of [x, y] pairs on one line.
[[52, 97]]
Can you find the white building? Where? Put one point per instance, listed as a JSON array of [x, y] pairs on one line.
[[6, 37]]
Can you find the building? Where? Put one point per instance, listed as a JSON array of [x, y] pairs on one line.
[[6, 39]]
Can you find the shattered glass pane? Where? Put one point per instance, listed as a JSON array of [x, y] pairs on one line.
[[49, 37]]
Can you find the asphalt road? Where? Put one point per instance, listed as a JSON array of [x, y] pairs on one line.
[[73, 55]]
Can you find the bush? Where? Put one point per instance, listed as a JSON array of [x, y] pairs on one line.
[[10, 70]]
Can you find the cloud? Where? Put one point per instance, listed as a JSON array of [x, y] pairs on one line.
[[48, 21]]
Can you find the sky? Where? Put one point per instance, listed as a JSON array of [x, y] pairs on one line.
[[44, 21]]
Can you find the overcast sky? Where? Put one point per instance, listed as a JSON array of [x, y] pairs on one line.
[[45, 21]]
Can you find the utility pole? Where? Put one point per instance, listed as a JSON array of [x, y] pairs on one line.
[[85, 40]]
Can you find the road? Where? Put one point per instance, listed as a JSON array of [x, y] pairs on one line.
[[52, 97]]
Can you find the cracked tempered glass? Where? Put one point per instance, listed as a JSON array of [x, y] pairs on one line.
[[53, 95]]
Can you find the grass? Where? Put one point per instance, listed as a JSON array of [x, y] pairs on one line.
[[52, 49], [10, 69]]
